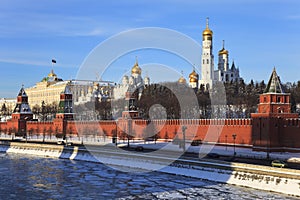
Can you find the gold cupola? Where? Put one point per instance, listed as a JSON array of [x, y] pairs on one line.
[[207, 32], [194, 77], [136, 69], [223, 50], [182, 80], [52, 74]]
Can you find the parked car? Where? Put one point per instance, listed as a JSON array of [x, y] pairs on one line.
[[139, 148], [196, 142], [213, 155], [278, 163], [64, 142]]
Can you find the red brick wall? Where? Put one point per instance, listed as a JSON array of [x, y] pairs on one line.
[[205, 130], [261, 132]]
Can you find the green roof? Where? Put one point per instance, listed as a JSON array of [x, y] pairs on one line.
[[274, 84]]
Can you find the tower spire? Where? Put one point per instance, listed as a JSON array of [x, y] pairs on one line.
[[207, 22], [223, 44], [274, 84]]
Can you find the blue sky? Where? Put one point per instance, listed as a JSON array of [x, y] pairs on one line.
[[258, 34]]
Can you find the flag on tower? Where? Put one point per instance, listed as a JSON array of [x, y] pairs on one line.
[[53, 61]]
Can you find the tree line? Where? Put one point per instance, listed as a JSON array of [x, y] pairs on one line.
[[177, 101]]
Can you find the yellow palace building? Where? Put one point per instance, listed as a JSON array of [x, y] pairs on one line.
[[50, 88]]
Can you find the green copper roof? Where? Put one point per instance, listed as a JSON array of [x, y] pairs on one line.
[[274, 84]]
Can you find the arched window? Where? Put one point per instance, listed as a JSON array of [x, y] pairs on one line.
[[207, 61]]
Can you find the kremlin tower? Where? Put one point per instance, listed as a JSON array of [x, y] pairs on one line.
[[208, 74], [22, 113], [207, 71]]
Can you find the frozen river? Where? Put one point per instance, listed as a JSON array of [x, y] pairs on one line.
[[31, 177]]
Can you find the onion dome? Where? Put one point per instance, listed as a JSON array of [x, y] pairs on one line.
[[52, 74], [223, 50], [136, 69], [194, 77], [182, 80], [207, 31]]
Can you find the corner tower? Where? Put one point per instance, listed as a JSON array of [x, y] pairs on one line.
[[274, 109], [274, 102], [207, 70]]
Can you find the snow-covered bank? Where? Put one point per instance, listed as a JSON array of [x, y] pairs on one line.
[[264, 182]]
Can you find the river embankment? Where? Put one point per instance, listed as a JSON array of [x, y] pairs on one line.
[[285, 181]]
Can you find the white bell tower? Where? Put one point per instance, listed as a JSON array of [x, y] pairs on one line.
[[207, 69]]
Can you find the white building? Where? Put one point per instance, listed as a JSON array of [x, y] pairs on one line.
[[208, 73], [49, 89], [131, 83]]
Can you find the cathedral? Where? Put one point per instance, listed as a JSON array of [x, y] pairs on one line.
[[209, 75], [131, 83]]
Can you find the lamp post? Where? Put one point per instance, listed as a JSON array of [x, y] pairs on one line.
[[183, 135], [234, 137], [226, 142]]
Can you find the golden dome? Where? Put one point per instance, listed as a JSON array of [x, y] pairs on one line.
[[136, 69], [182, 80], [223, 50], [194, 77], [51, 74], [207, 31]]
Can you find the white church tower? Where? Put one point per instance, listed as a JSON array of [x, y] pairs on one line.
[[207, 69]]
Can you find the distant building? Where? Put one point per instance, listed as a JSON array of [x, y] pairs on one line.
[[131, 83], [209, 75], [50, 88], [6, 107]]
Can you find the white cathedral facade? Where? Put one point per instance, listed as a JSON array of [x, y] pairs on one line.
[[209, 75], [131, 83]]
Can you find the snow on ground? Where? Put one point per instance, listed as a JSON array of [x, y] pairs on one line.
[[203, 149]]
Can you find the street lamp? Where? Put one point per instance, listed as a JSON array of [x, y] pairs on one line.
[[226, 142], [234, 137], [183, 135]]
